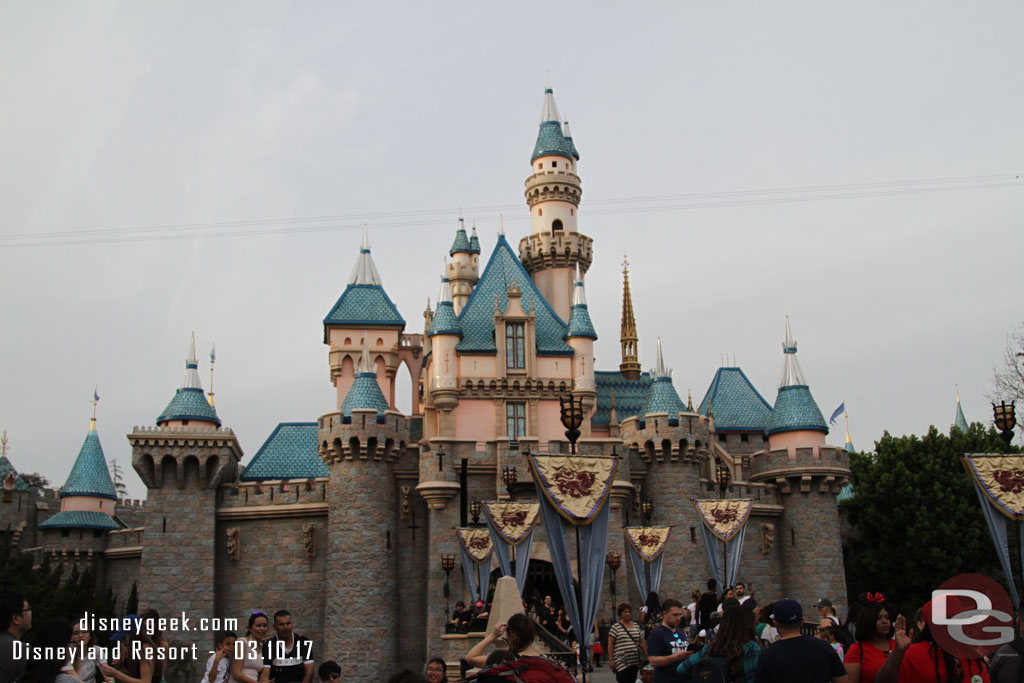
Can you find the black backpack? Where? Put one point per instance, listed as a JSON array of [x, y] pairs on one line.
[[711, 670]]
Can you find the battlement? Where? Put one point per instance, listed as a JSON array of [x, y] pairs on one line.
[[553, 184], [191, 429], [830, 465], [183, 457], [654, 439], [364, 435], [556, 249], [272, 493], [124, 538]]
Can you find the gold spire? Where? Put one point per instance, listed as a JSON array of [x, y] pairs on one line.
[[957, 393], [847, 416], [630, 365], [213, 357], [689, 401], [95, 400]]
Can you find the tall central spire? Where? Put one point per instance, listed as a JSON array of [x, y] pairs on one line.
[[792, 375], [630, 365]]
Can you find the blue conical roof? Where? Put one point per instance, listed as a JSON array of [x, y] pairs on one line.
[[795, 410], [81, 519], [89, 476], [568, 138], [474, 242], [738, 405], [364, 301], [960, 422], [461, 243], [580, 324], [7, 468], [550, 138], [365, 394], [662, 397], [189, 402], [444, 320]]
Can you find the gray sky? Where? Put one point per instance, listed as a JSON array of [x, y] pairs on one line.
[[248, 119]]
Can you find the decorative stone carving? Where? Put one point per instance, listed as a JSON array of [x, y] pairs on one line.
[[405, 501], [234, 546], [767, 538], [309, 540]]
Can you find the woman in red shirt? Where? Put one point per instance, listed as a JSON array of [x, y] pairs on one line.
[[874, 643]]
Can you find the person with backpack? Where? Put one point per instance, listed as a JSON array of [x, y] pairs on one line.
[[732, 657], [1007, 664]]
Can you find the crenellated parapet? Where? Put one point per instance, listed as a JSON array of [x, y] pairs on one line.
[[824, 469], [558, 249], [656, 439], [553, 184], [363, 436], [198, 456]]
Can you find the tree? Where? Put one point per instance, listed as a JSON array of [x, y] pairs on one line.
[[916, 516], [1008, 377], [118, 478], [36, 480]]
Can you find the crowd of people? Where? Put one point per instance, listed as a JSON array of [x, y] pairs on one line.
[[722, 636]]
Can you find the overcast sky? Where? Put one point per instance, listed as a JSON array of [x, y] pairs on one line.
[[208, 166]]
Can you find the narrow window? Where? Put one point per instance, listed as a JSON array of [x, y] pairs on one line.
[[515, 418], [556, 226], [554, 164], [540, 212], [721, 438], [744, 438], [515, 345]]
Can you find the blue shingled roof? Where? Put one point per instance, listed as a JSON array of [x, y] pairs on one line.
[[845, 493], [89, 475], [477, 317], [579, 323], [80, 519], [189, 403], [444, 320], [364, 305], [572, 147], [795, 410], [474, 243], [365, 394], [662, 398], [738, 406], [6, 468], [629, 395], [461, 242], [290, 452], [960, 422], [550, 140]]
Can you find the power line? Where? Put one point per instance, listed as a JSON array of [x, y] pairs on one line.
[[425, 217]]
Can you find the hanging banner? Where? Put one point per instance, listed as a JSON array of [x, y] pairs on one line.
[[513, 521], [476, 543], [724, 518], [648, 541], [1001, 479], [576, 486]]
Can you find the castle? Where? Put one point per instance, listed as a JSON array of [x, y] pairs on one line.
[[343, 520]]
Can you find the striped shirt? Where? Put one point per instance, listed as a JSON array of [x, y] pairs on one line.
[[626, 651]]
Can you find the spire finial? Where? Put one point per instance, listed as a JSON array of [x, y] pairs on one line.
[[192, 349], [659, 369], [847, 416], [364, 359], [213, 357], [957, 393], [366, 238], [95, 400], [445, 295], [3, 445], [630, 365], [792, 375], [501, 224]]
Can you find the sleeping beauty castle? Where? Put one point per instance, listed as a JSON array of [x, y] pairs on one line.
[[344, 520]]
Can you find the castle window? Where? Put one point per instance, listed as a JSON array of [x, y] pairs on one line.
[[721, 438], [556, 226], [515, 345], [515, 418], [744, 438], [540, 212], [554, 164]]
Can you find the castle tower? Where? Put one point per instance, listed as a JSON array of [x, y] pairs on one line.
[[555, 248], [808, 476], [88, 497], [444, 334], [581, 337], [630, 365], [960, 422], [359, 443], [182, 461], [796, 421], [363, 313], [463, 272]]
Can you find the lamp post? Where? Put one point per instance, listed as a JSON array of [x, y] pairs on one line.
[[613, 560], [647, 508], [447, 564], [722, 476], [474, 509], [571, 415], [1005, 417]]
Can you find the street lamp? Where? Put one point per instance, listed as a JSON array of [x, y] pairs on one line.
[[571, 414], [509, 477], [474, 509], [647, 508], [722, 476], [613, 560], [447, 564], [1006, 419]]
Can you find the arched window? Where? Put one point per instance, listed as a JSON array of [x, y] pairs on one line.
[[557, 225]]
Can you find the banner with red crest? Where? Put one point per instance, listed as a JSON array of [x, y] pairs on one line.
[[999, 482], [725, 517], [576, 485], [648, 541], [513, 521], [476, 543]]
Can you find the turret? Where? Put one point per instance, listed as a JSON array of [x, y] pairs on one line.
[[555, 248], [630, 365], [463, 271], [190, 406], [796, 421], [581, 337], [363, 314], [444, 334], [960, 422], [662, 397], [88, 496]]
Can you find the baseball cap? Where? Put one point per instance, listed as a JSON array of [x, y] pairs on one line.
[[823, 602], [788, 612]]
